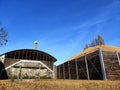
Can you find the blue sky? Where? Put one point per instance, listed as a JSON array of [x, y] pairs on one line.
[[62, 27]]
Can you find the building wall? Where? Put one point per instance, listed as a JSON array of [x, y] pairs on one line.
[[112, 66], [91, 67], [29, 69], [85, 67], [28, 72], [11, 59]]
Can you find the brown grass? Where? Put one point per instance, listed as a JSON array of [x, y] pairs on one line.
[[92, 49], [59, 85]]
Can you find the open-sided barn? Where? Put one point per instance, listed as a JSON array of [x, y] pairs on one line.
[[94, 63], [27, 63]]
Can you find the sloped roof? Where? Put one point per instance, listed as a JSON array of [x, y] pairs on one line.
[[92, 49]]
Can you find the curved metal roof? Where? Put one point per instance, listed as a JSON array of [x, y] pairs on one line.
[[31, 53]]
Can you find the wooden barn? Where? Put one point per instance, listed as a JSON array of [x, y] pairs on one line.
[[100, 62], [27, 63]]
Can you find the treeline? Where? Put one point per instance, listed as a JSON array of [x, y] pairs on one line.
[[3, 36], [95, 42]]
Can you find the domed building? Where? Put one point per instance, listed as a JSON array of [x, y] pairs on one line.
[[100, 62], [27, 63]]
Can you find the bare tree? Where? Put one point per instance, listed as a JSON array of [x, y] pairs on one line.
[[3, 36]]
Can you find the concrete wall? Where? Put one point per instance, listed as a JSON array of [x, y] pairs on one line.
[[29, 69]]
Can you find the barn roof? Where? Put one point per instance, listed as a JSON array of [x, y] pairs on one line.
[[29, 53], [92, 49]]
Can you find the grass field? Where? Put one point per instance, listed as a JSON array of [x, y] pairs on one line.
[[59, 85]]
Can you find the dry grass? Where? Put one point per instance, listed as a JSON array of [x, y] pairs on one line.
[[92, 49], [59, 85]]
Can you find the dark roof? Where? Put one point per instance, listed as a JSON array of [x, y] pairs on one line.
[[27, 53]]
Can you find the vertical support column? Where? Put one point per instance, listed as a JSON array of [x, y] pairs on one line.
[[20, 73], [87, 67], [50, 60], [23, 54], [39, 72], [37, 56], [26, 57], [118, 57], [47, 61], [59, 72], [40, 56], [63, 71], [69, 70], [18, 54], [76, 69], [44, 60], [15, 55], [52, 63], [29, 53], [102, 65], [33, 55], [54, 68]]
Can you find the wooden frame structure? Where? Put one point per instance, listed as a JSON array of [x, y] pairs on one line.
[[97, 65], [28, 59], [28, 54]]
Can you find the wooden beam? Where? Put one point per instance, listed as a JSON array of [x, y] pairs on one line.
[[26, 57], [37, 56], [15, 55], [19, 54], [102, 64], [59, 72], [118, 57], [76, 69], [23, 54], [88, 76], [29, 53], [63, 71], [69, 70]]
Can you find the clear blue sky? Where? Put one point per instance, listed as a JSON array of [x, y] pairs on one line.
[[62, 27]]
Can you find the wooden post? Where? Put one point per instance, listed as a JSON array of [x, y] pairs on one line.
[[87, 67], [39, 72], [69, 70], [29, 53], [59, 72], [63, 71], [33, 55], [18, 54], [26, 57], [22, 54], [15, 55], [20, 76], [102, 65], [118, 57], [37, 56], [76, 69]]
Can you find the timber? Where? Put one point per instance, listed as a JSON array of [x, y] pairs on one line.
[[95, 63]]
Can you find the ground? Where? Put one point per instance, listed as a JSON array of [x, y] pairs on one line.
[[59, 85]]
